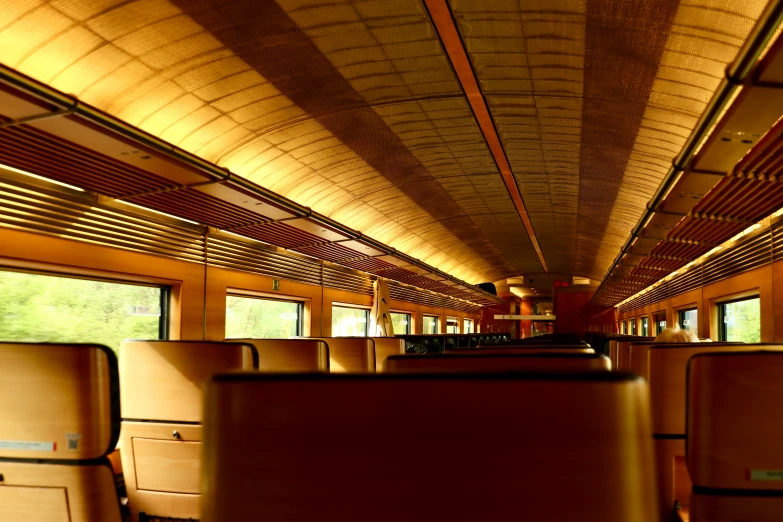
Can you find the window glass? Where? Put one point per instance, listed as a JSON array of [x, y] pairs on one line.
[[431, 325], [48, 308], [452, 325], [740, 321], [660, 322], [467, 326], [632, 322], [622, 327], [401, 323], [258, 318], [689, 320], [644, 327], [347, 321]]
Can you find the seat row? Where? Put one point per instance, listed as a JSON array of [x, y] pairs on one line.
[[354, 446]]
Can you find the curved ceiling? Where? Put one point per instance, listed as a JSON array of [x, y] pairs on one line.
[[353, 107]]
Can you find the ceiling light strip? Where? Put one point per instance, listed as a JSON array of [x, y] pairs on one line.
[[449, 36]]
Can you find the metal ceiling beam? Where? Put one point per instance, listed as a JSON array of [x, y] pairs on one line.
[[449, 36]]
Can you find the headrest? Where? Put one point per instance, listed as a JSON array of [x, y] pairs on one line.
[[350, 354], [163, 380], [59, 401], [499, 362]]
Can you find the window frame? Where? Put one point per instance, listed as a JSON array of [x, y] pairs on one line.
[[623, 328], [365, 309], [632, 322], [409, 326], [644, 326], [656, 320], [167, 289], [437, 324], [467, 320], [681, 314], [300, 309], [456, 322], [721, 311]]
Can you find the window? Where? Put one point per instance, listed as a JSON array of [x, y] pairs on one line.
[[467, 326], [401, 323], [259, 318], [632, 322], [350, 322], [622, 327], [431, 324], [48, 308], [452, 325], [660, 322], [644, 326], [688, 320], [740, 320]]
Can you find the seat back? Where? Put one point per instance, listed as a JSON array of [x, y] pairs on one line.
[[59, 419], [499, 362], [526, 350], [637, 354], [735, 421], [291, 355], [162, 408], [356, 440], [386, 347], [667, 376], [350, 354]]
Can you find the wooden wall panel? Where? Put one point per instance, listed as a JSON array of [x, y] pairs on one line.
[[198, 308], [765, 282]]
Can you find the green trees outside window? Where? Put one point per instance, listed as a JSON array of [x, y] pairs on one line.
[[48, 308], [259, 318]]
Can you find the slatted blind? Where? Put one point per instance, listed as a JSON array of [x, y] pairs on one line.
[[755, 250], [36, 206]]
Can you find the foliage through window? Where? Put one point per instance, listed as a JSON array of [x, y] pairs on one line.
[[350, 322], [740, 321], [622, 327], [259, 318], [645, 331], [689, 320], [452, 325], [48, 308], [431, 324], [401, 323], [632, 322]]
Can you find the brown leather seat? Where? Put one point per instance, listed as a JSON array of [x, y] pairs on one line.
[[499, 362], [59, 419], [734, 434], [161, 384], [391, 447], [290, 355]]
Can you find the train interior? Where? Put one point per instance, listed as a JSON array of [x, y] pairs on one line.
[[351, 260]]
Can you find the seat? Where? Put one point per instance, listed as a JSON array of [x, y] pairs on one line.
[[638, 350], [290, 355], [350, 354], [358, 447], [734, 433], [525, 362], [666, 375], [161, 384], [59, 419], [527, 349], [386, 347]]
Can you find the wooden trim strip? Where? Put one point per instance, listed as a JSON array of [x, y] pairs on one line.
[[447, 31]]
